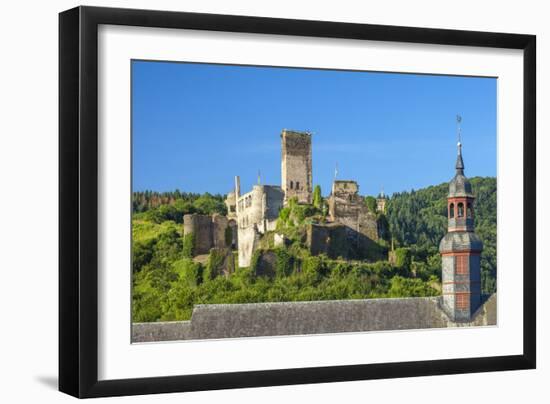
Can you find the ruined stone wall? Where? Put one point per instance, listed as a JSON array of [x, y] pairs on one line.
[[257, 213], [249, 239], [232, 224], [346, 207], [231, 204], [329, 239], [273, 199], [250, 208], [209, 231], [219, 226], [296, 166], [201, 227], [266, 264]]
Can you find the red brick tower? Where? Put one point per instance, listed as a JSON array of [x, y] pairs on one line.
[[460, 250]]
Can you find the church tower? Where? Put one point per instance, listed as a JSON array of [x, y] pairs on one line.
[[460, 250]]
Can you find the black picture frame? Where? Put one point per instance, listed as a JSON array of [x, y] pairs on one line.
[[78, 201]]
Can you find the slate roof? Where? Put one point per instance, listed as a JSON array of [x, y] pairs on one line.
[[303, 318], [460, 185], [456, 241]]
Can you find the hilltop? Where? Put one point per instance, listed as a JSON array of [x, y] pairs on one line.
[[167, 282]]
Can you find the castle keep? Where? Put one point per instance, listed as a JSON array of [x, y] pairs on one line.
[[296, 176], [461, 250]]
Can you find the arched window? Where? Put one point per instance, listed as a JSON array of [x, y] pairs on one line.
[[297, 185], [291, 184], [451, 210], [460, 209], [469, 211]]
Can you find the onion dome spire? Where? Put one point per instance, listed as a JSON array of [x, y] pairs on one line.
[[459, 185]]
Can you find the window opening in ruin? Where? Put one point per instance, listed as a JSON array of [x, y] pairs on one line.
[[291, 184], [297, 185]]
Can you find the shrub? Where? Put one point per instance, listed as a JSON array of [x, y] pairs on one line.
[[312, 267], [284, 264], [317, 197], [255, 260], [190, 273], [189, 245], [370, 201], [406, 287], [215, 263], [403, 258], [142, 253]]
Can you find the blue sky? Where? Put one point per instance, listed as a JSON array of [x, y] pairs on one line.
[[196, 126]]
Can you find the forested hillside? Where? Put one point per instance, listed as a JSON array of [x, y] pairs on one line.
[[418, 219], [168, 282]]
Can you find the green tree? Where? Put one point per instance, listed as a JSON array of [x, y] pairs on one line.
[[370, 201], [317, 197], [189, 245]]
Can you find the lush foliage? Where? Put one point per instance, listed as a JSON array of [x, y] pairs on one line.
[[159, 207], [370, 201], [173, 296], [168, 281], [418, 219], [317, 197]]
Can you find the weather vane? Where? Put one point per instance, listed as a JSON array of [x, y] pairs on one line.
[[458, 131]]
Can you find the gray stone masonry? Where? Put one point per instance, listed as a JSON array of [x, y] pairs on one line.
[[302, 318], [209, 231], [296, 166], [257, 213]]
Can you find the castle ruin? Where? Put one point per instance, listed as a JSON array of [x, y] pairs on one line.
[[349, 230], [350, 223], [256, 213]]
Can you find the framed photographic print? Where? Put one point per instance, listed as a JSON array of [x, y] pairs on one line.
[[250, 201]]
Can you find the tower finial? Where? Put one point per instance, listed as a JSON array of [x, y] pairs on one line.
[[458, 129], [459, 162], [259, 178]]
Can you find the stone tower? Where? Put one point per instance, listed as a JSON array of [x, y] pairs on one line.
[[460, 250], [296, 178]]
